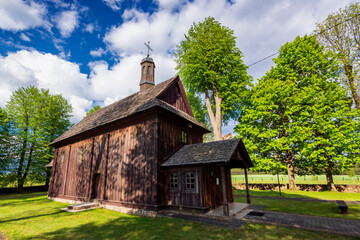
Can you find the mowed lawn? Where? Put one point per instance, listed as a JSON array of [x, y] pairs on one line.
[[326, 209], [35, 217]]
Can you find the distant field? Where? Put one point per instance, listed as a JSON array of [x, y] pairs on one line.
[[308, 179]]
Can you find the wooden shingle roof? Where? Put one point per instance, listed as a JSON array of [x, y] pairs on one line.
[[126, 107], [210, 152]]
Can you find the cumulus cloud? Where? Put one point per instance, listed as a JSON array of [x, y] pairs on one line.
[[114, 4], [261, 27], [97, 53], [104, 85], [47, 71], [89, 28], [80, 106], [66, 22], [24, 37], [18, 15]]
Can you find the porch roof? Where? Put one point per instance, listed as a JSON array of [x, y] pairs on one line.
[[231, 151]]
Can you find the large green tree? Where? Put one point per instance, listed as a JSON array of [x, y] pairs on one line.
[[211, 67], [333, 137], [37, 118], [340, 32], [290, 108]]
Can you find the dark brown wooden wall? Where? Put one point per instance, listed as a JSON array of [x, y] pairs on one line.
[[123, 166], [177, 98], [132, 166]]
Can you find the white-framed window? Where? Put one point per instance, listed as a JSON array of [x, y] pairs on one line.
[[174, 181], [190, 181]]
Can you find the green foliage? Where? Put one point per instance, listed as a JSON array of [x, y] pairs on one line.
[[340, 32], [94, 109], [209, 62], [299, 111], [37, 118], [5, 142]]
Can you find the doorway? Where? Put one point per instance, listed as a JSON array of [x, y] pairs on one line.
[[96, 190]]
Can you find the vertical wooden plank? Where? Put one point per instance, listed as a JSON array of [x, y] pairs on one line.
[[106, 166], [224, 194], [66, 171]]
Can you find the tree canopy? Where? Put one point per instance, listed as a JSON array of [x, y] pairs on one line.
[[340, 32], [298, 105], [211, 67], [37, 118]]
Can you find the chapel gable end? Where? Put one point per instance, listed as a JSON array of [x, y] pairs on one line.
[[175, 95]]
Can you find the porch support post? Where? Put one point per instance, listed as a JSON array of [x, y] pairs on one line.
[[247, 187], [224, 193]]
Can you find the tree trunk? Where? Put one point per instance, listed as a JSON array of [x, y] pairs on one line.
[[329, 178], [291, 172], [352, 85], [29, 159], [22, 159], [215, 120]]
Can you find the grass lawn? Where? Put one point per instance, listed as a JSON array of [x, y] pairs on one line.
[[328, 195], [36, 217], [326, 209], [308, 179]]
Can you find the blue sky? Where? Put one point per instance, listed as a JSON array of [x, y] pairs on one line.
[[90, 51]]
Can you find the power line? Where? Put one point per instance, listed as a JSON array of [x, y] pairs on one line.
[[263, 59]]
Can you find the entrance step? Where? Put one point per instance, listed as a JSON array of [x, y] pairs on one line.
[[234, 208], [81, 207]]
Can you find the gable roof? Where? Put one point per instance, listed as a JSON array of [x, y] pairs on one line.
[[135, 103], [210, 152]]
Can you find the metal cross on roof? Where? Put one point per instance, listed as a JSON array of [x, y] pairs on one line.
[[148, 46]]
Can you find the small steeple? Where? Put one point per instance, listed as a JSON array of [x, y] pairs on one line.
[[147, 71]]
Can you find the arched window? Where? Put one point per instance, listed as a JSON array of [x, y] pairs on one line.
[[148, 69], [144, 69]]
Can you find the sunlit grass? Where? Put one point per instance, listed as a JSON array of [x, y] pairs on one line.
[[326, 209], [36, 217], [327, 195]]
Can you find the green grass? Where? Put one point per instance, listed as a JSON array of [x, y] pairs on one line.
[[326, 209], [36, 217], [308, 179], [327, 195]]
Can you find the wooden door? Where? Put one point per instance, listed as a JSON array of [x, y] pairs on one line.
[[215, 187], [96, 193]]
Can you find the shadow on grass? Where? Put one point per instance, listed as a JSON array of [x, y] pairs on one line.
[[30, 217], [22, 200], [133, 227]]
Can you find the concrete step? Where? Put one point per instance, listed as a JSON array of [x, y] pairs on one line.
[[243, 213], [83, 206]]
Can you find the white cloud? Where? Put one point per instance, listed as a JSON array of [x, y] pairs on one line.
[[89, 28], [18, 15], [97, 53], [123, 79], [47, 71], [24, 37], [261, 27], [105, 84], [114, 4], [79, 105], [66, 22]]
